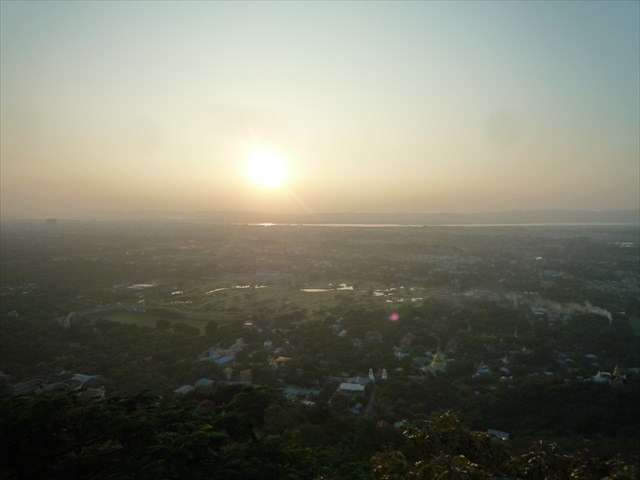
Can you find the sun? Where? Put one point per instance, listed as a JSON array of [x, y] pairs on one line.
[[266, 168]]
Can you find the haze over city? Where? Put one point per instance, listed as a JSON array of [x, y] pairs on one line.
[[302, 107]]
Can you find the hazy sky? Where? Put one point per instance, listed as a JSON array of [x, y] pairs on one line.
[[415, 107]]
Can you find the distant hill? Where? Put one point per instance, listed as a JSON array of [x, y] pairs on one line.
[[498, 218]]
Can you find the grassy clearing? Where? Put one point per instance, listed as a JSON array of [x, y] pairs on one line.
[[225, 302], [149, 320]]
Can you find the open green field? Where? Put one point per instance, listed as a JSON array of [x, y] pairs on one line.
[[199, 299], [146, 319], [233, 301]]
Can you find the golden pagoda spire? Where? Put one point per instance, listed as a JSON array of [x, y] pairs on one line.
[[616, 373], [438, 364]]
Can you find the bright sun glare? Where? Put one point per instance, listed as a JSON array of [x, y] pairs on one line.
[[266, 168]]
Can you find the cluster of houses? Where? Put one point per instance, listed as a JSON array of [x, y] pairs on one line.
[[87, 386], [349, 386], [432, 363], [222, 356], [612, 378]]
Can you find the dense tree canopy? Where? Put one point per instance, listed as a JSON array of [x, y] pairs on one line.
[[249, 436]]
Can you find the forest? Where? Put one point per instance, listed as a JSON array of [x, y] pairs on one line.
[[247, 432]]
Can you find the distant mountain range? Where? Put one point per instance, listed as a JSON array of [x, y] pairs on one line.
[[490, 218]]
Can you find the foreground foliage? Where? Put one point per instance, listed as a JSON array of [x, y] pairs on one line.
[[247, 435], [448, 450]]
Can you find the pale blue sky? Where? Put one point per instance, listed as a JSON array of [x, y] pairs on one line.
[[375, 106]]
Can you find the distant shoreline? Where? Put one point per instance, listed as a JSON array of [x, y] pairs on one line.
[[362, 219], [401, 225], [62, 220]]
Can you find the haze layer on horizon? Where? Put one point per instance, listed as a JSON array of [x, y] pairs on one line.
[[374, 106]]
